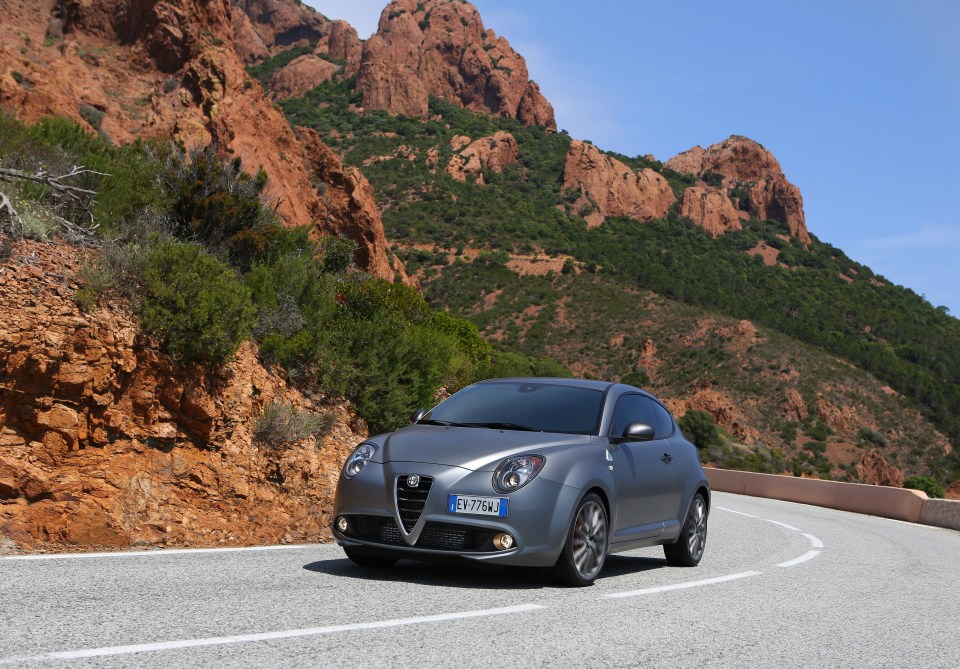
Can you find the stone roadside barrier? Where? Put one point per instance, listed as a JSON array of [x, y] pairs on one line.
[[912, 506]]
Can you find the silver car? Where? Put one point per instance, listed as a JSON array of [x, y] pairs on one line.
[[532, 472]]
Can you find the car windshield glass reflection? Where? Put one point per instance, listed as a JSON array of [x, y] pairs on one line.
[[539, 407]]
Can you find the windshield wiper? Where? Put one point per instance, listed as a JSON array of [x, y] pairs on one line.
[[443, 423], [503, 426]]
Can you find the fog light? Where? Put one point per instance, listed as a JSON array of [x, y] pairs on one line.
[[503, 541], [342, 524]]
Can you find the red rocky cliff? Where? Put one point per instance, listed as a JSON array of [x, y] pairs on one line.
[[608, 187], [440, 48], [492, 153], [744, 166], [105, 441], [265, 27], [133, 68], [710, 209]]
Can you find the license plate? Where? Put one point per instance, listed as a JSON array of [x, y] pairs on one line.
[[484, 506]]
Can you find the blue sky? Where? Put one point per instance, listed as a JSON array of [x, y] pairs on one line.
[[859, 100]]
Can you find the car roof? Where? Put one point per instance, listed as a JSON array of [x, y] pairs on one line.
[[557, 381]]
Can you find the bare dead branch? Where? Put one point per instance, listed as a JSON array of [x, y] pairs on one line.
[[75, 233], [56, 183], [16, 223]]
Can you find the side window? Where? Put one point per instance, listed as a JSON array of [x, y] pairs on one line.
[[633, 409], [664, 422]]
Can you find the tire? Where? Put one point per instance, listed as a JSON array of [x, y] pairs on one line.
[[363, 558], [688, 549], [585, 549]]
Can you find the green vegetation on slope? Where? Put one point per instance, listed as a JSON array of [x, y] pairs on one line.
[[600, 329], [207, 265], [815, 294]]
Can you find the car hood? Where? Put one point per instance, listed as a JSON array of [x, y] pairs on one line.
[[473, 448]]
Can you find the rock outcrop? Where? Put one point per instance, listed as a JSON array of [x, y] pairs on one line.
[[608, 187], [751, 177], [710, 209], [492, 153], [263, 28], [873, 469], [348, 208], [440, 48], [794, 408], [300, 75], [104, 441], [129, 69]]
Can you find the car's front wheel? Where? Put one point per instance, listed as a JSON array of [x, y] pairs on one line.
[[585, 548], [364, 558], [688, 549]]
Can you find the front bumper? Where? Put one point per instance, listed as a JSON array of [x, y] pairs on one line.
[[539, 515]]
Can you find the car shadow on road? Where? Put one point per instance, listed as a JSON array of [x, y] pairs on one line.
[[473, 576], [442, 574], [621, 565]]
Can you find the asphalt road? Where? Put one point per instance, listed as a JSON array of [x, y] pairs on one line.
[[780, 585]]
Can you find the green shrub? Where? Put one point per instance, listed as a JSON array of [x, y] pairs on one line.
[[264, 71], [218, 204], [389, 367], [505, 364], [638, 378], [295, 305], [700, 428], [194, 303], [281, 424], [926, 484], [817, 430], [91, 115], [116, 268], [337, 253], [713, 179], [125, 179], [868, 436]]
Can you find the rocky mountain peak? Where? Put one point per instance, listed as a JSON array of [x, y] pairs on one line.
[[441, 48], [608, 187], [265, 27], [171, 70], [751, 177]]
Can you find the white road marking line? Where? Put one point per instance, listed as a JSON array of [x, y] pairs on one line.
[[814, 541], [682, 586], [267, 636], [739, 513], [160, 552], [809, 555]]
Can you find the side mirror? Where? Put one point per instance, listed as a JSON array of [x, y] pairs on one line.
[[637, 432], [417, 415]]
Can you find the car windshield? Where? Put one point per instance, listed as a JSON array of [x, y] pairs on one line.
[[519, 405]]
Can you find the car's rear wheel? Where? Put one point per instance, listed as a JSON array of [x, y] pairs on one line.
[[364, 558], [585, 549], [688, 549]]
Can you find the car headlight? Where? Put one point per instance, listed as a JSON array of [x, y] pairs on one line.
[[514, 473], [358, 460]]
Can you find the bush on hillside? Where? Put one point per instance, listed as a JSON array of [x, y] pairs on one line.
[[218, 204], [194, 303], [700, 428], [926, 484], [282, 424]]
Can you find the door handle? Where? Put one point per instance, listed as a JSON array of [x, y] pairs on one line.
[[667, 458]]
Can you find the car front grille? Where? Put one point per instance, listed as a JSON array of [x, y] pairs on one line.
[[435, 536], [411, 500]]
